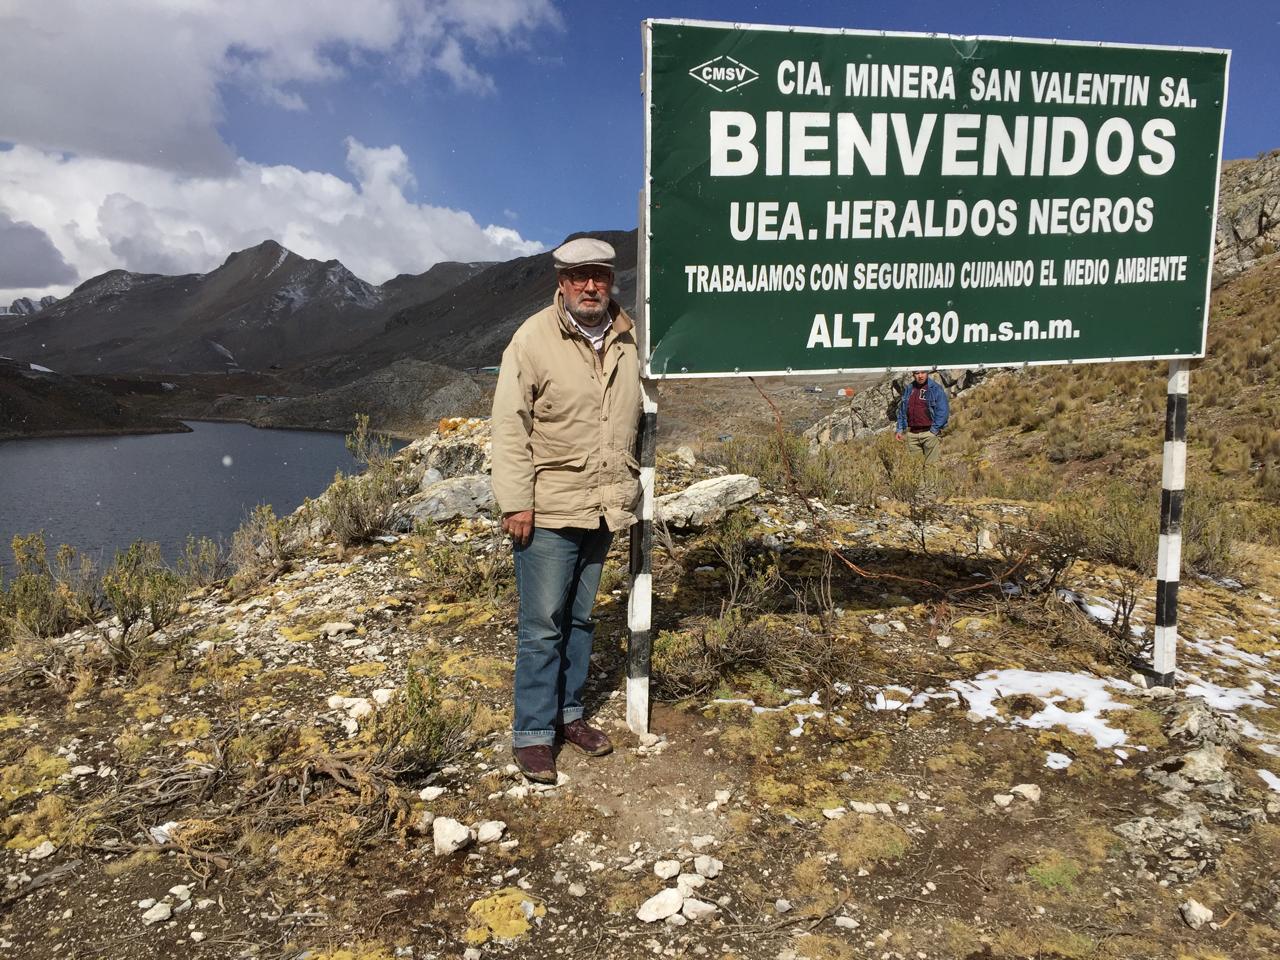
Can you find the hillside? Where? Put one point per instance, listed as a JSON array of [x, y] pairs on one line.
[[35, 402], [908, 745]]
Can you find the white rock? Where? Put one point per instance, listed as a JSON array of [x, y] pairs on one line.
[[782, 905], [686, 883], [182, 891], [1028, 791], [431, 793], [450, 836], [471, 953], [706, 501], [383, 695], [834, 813], [45, 849], [666, 869], [197, 936], [701, 843], [490, 831], [676, 920], [577, 890], [147, 904], [885, 809], [661, 905], [723, 796], [424, 823], [336, 628], [861, 806], [157, 914], [83, 771], [943, 641], [205, 903], [649, 739], [1002, 800], [708, 867], [847, 923], [696, 909], [1195, 914]]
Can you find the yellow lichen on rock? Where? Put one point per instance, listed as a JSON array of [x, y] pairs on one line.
[[504, 915], [371, 669]]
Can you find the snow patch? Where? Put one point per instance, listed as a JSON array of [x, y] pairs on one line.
[[1270, 779], [1052, 687]]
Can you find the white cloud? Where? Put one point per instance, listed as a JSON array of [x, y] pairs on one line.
[[140, 80], [103, 214]]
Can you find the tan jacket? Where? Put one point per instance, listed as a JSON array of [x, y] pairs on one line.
[[565, 421]]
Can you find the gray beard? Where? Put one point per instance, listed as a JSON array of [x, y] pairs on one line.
[[591, 321]]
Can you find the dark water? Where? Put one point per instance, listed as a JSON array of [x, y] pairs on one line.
[[99, 494]]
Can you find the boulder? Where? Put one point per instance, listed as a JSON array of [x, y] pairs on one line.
[[468, 496], [450, 836], [706, 501]]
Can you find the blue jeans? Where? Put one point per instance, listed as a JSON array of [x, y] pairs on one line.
[[557, 575]]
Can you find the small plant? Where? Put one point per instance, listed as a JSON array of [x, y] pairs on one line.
[[258, 547], [44, 600], [143, 593], [202, 562], [420, 732], [357, 508]]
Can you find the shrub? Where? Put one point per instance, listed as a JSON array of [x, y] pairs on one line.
[[357, 508], [257, 547], [480, 568], [141, 589], [202, 562], [45, 601], [419, 732], [1211, 530]]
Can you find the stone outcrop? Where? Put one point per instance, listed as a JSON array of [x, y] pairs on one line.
[[1248, 227]]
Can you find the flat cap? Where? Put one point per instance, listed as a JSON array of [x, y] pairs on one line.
[[583, 252]]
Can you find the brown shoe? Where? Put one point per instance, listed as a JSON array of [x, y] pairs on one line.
[[536, 762], [586, 738]]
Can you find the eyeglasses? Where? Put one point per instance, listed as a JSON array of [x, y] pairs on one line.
[[579, 277]]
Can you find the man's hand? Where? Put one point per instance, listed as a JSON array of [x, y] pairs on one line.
[[897, 436], [519, 526]]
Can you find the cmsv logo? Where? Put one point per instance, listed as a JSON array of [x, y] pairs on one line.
[[724, 74]]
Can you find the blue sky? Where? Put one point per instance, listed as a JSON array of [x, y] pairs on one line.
[[395, 133]]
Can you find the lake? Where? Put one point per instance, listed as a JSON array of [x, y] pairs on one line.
[[99, 494]]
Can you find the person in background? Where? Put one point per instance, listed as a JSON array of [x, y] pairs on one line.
[[566, 412], [922, 415]]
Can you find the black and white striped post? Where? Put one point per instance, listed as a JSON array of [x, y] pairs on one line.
[[640, 603], [1169, 561]]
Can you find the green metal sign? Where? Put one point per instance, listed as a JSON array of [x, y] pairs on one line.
[[830, 200]]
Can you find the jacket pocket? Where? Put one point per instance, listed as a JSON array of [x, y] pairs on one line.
[[567, 458]]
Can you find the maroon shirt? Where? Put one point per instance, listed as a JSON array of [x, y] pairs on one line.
[[918, 418]]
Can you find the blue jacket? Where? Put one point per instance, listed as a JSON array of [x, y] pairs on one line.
[[935, 399]]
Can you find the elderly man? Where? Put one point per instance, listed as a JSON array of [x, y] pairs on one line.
[[565, 415], [922, 414]]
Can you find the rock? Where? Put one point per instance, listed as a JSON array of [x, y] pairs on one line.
[[706, 501], [676, 920], [450, 836], [577, 890], [649, 739], [431, 793], [834, 813], [862, 806], [1194, 721], [1203, 768], [1003, 800], [782, 906], [661, 905], [424, 822], [847, 923], [696, 909], [685, 455], [881, 630], [181, 891], [490, 831], [1028, 791], [708, 867], [666, 869], [686, 883], [701, 843], [449, 499], [197, 936], [1195, 914], [337, 628], [157, 914], [471, 953], [42, 850], [944, 642]]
